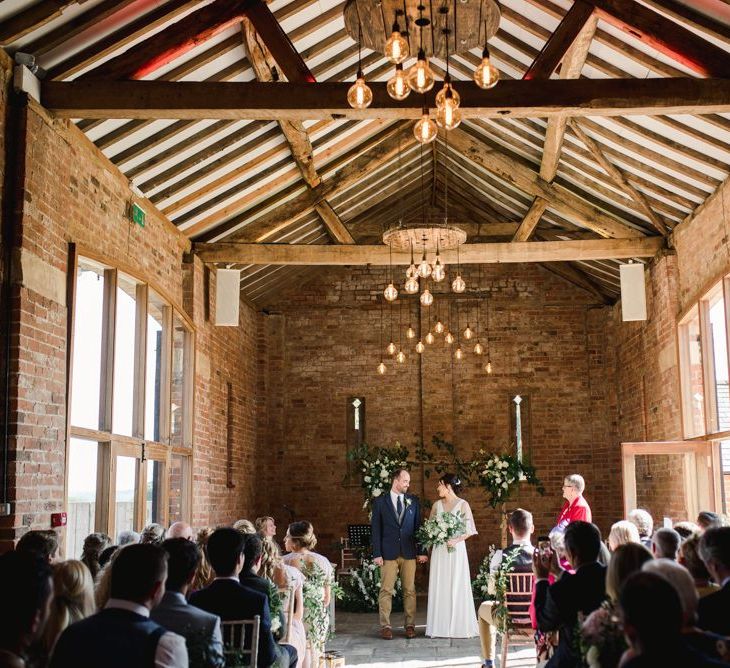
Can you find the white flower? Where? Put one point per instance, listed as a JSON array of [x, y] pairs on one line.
[[498, 480], [377, 491], [367, 478], [505, 485], [383, 474]]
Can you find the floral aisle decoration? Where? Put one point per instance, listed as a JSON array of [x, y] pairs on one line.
[[488, 586], [362, 586], [315, 616], [440, 529], [602, 641], [276, 609], [499, 475], [377, 466]]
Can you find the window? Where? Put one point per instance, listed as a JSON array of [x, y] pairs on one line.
[[692, 373], [131, 406], [354, 433]]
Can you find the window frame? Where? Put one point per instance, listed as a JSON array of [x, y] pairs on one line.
[[110, 444]]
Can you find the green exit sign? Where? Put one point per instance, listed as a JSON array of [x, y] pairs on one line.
[[138, 215]]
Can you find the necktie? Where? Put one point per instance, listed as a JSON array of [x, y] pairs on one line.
[[399, 508]]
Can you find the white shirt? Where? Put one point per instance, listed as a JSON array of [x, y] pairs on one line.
[[171, 649], [394, 499], [497, 558]]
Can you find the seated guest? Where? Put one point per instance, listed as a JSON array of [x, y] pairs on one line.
[[26, 586], [266, 527], [244, 526], [714, 609], [230, 600], [665, 544], [520, 526], [204, 575], [689, 557], [651, 614], [94, 545], [201, 630], [707, 520], [686, 529], [107, 555], [127, 538], [180, 530], [73, 600], [43, 542], [558, 606], [644, 523], [621, 533], [122, 634], [575, 508], [152, 534]]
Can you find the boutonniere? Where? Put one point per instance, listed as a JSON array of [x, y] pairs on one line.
[[408, 502]]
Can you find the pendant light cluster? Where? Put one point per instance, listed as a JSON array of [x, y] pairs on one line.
[[420, 78]]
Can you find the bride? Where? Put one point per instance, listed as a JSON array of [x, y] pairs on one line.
[[450, 602]]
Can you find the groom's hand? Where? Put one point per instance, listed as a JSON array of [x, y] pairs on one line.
[[421, 558], [378, 561]]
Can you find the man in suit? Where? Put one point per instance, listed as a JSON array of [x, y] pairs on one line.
[[230, 600], [714, 609], [557, 606], [122, 635], [201, 630], [395, 521]]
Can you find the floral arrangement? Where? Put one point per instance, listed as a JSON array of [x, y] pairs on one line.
[[601, 638], [499, 475], [361, 589], [315, 617], [493, 586], [440, 529], [276, 608], [377, 466]]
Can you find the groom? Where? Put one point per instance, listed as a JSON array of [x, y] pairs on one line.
[[396, 518]]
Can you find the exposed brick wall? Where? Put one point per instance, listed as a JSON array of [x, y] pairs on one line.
[[548, 340]]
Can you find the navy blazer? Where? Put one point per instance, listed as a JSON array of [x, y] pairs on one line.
[[392, 539], [230, 600]]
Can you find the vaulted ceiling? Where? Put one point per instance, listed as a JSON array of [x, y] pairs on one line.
[[322, 179]]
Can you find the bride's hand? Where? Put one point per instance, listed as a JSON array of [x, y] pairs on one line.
[[452, 542]]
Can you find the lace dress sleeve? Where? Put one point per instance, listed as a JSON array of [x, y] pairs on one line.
[[471, 529]]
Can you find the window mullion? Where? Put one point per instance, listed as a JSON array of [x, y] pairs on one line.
[[106, 383], [166, 375], [708, 368], [140, 357]]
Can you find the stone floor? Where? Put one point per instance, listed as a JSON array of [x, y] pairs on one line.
[[357, 639]]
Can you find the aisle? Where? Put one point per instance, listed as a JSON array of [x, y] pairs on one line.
[[358, 640]]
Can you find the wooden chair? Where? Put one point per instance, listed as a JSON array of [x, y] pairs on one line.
[[287, 596], [349, 559], [517, 601], [234, 641]]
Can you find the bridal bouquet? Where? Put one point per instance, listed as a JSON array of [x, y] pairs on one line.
[[440, 529]]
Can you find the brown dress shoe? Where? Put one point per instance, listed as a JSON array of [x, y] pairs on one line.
[[386, 633], [410, 631]]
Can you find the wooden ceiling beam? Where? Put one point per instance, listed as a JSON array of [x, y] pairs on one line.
[[666, 36], [337, 255], [34, 17], [292, 101], [685, 14]]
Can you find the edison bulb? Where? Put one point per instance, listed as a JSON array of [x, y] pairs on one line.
[[390, 293], [412, 271], [400, 357], [478, 348], [439, 271], [426, 297], [420, 347], [441, 95], [439, 327], [458, 284], [486, 74], [411, 286], [420, 76], [448, 115], [424, 268], [488, 367], [410, 332], [359, 96], [396, 48], [391, 348], [398, 87], [468, 332], [382, 368], [430, 338], [425, 130], [458, 353], [449, 338]]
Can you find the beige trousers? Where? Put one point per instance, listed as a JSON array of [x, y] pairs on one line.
[[389, 572], [487, 630]]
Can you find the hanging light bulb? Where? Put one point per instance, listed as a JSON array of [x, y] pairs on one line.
[[468, 332], [439, 271], [411, 286], [449, 338], [391, 292], [425, 130], [424, 268], [398, 87], [478, 348], [359, 96], [382, 368], [420, 347], [439, 327], [396, 48], [441, 95], [420, 76], [391, 348], [400, 357], [426, 297], [410, 332], [486, 74], [412, 271], [458, 284], [430, 338], [458, 353], [448, 115], [488, 367]]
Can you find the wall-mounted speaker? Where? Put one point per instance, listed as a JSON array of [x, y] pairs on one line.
[[227, 296], [633, 292]]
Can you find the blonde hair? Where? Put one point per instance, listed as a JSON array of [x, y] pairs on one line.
[[626, 560], [204, 573], [73, 599], [260, 522], [623, 532], [271, 560], [244, 526], [302, 535]]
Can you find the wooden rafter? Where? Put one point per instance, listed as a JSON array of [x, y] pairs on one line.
[[292, 101], [32, 18], [681, 12], [334, 255]]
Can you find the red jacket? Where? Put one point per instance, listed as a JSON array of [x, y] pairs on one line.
[[578, 510]]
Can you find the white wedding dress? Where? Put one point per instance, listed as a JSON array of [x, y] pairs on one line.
[[451, 612]]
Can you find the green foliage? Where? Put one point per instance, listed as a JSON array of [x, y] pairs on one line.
[[499, 475], [494, 586], [361, 589]]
